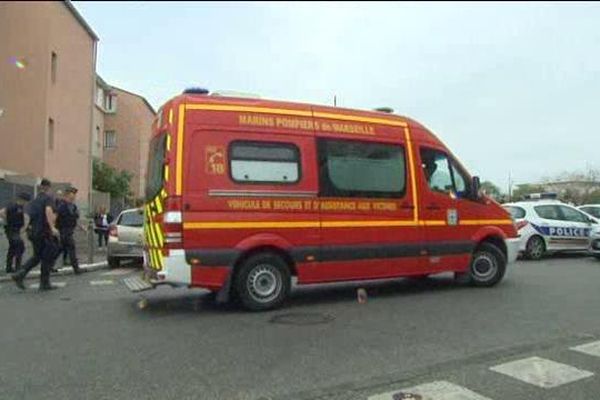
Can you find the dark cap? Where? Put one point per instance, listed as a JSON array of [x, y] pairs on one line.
[[45, 182], [71, 189], [24, 196]]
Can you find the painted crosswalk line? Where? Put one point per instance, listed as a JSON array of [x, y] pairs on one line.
[[117, 272], [541, 372], [438, 390], [592, 349], [57, 284], [102, 282]]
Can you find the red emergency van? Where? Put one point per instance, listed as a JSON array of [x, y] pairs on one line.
[[243, 194]]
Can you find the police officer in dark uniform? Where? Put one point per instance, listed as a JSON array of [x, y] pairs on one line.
[[44, 237], [66, 222], [59, 197], [15, 220]]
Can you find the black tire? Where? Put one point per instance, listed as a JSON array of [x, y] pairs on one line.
[[535, 249], [113, 262], [262, 282], [488, 265]]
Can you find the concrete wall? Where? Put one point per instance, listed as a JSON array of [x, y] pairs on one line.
[[24, 35], [133, 124], [70, 99], [32, 31], [98, 133]]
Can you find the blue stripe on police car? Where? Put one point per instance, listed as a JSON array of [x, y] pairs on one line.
[[561, 231]]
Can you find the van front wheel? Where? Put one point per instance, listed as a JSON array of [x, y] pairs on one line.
[[488, 265], [262, 282]]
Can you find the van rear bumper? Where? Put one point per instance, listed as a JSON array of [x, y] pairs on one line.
[[512, 249], [175, 271]]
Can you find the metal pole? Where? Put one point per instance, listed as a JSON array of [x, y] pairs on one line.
[[90, 232]]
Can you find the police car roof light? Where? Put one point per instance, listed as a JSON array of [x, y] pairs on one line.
[[540, 196]]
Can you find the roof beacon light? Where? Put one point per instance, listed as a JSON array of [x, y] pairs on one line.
[[541, 196], [195, 90]]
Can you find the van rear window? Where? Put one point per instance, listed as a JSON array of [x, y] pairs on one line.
[[361, 169], [264, 162], [156, 163]]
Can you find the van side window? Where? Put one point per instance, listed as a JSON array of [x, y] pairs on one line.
[[264, 162], [437, 170], [349, 168], [461, 186], [442, 174]]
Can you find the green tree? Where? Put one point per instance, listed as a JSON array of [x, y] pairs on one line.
[[108, 179], [491, 190]]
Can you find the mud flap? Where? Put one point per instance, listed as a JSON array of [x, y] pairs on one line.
[[224, 294]]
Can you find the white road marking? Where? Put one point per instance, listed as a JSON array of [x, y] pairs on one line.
[[593, 348], [102, 283], [57, 284], [541, 372], [117, 272], [438, 390]]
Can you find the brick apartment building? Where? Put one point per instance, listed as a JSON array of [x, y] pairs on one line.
[[123, 128], [54, 109], [46, 91]]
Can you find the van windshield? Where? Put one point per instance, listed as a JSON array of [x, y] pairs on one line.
[[156, 161]]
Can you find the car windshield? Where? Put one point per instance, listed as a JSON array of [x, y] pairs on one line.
[[132, 218]]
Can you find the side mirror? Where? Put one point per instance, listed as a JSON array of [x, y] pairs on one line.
[[476, 188]]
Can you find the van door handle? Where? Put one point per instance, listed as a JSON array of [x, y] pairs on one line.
[[406, 206], [433, 207]]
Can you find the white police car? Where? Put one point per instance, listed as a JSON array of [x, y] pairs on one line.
[[547, 225], [594, 211]]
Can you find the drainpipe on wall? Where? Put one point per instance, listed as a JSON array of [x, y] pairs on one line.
[[91, 159]]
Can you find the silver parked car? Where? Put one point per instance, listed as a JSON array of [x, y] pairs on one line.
[[125, 237]]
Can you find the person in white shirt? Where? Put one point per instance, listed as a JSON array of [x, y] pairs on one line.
[[102, 220]]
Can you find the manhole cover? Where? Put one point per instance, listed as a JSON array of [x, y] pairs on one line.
[[406, 396], [302, 319]]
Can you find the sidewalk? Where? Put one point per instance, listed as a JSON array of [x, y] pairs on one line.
[[81, 242], [99, 263]]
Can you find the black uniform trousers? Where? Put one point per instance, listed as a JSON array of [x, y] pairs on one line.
[[68, 247], [16, 248], [45, 251]]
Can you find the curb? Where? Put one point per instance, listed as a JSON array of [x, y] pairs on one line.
[[63, 271]]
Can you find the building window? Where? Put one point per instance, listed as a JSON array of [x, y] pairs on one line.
[[263, 162], [53, 62], [349, 168], [97, 138], [99, 97], [110, 139], [50, 134], [111, 103]]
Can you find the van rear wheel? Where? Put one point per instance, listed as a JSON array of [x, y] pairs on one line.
[[488, 265], [262, 282]]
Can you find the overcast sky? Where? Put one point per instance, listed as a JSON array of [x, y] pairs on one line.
[[507, 86]]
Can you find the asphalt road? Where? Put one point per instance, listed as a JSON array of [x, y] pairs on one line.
[[90, 340]]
